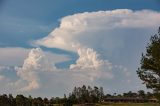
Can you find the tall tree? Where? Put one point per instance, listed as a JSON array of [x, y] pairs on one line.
[[149, 71]]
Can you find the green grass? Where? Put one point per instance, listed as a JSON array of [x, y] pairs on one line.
[[129, 104]]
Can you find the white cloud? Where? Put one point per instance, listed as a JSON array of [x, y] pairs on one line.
[[37, 67], [33, 61], [90, 64], [36, 61], [93, 29], [88, 58]]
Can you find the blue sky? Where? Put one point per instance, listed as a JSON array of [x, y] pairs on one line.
[[106, 35]]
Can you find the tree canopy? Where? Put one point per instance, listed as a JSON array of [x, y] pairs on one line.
[[149, 71]]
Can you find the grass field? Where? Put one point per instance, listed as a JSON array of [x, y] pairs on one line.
[[129, 104]]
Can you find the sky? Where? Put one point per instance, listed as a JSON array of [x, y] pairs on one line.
[[49, 46]]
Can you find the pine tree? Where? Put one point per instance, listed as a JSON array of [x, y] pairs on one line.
[[149, 71]]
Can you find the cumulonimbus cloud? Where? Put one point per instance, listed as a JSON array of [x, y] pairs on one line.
[[92, 29], [91, 35]]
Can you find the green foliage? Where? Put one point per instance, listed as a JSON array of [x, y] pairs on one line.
[[149, 72], [86, 94], [22, 101], [80, 95]]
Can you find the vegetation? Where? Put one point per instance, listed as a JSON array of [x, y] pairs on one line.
[[79, 95], [149, 72], [129, 104], [86, 94]]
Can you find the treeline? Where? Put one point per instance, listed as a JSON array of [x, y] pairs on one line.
[[79, 95], [86, 94], [20, 100], [140, 94]]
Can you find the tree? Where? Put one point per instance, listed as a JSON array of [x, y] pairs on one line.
[[30, 100], [149, 71], [52, 101], [149, 95], [130, 94], [20, 100], [141, 94], [46, 101], [101, 94], [12, 101], [4, 100], [38, 101]]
